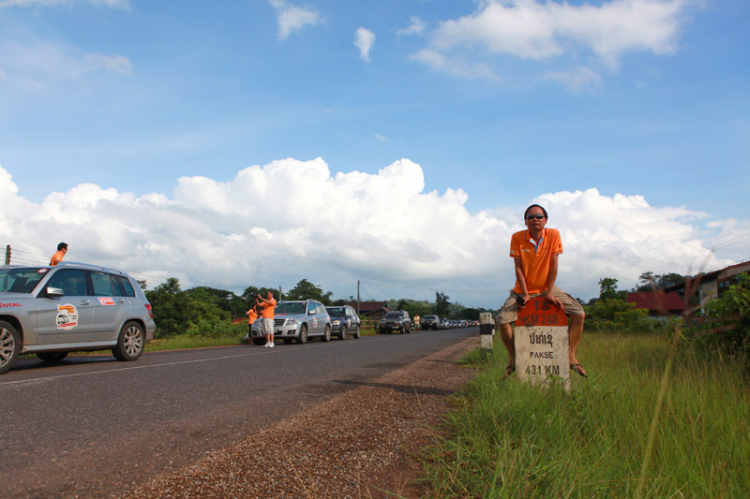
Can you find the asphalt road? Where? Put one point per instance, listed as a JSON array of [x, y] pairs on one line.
[[92, 426]]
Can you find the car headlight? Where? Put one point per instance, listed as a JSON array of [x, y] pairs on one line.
[[336, 323], [292, 322]]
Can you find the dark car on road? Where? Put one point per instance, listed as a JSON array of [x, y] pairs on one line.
[[431, 322], [397, 320], [345, 321]]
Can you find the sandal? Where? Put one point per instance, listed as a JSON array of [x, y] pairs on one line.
[[578, 368]]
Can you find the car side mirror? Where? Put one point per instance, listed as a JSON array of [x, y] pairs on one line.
[[52, 292]]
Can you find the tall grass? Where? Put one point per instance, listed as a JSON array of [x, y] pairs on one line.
[[508, 439]]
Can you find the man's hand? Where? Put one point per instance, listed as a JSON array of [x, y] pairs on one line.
[[553, 300]]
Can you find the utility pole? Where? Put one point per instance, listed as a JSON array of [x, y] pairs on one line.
[[7, 255], [358, 298]]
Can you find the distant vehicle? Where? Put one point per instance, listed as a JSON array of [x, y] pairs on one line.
[[430, 322], [345, 321], [296, 320], [445, 324], [52, 311], [397, 320]]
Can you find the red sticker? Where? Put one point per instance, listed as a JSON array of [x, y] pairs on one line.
[[106, 301]]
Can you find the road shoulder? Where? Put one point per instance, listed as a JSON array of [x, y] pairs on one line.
[[363, 443]]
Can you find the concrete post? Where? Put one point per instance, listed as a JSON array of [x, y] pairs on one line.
[[486, 330], [541, 340]]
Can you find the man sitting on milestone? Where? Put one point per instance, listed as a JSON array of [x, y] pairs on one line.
[[535, 252]]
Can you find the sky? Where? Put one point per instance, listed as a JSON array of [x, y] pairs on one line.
[[394, 144]]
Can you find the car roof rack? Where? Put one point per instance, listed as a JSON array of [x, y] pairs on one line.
[[90, 266]]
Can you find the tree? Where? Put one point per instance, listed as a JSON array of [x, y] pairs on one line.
[[442, 305], [607, 288], [649, 280], [306, 290]]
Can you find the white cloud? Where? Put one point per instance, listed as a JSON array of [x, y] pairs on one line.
[[581, 79], [364, 39], [456, 66], [282, 222], [114, 63], [291, 18], [416, 27], [535, 30], [38, 63]]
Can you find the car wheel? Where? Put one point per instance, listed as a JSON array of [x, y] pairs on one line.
[[10, 345], [357, 333], [259, 341], [342, 333], [326, 334], [131, 342], [302, 338], [52, 357]]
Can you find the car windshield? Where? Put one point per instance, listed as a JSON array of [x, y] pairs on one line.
[[20, 280], [290, 307], [393, 315], [336, 312]]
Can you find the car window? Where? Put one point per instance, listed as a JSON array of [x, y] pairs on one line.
[[336, 311], [125, 288], [320, 309], [290, 307], [393, 315], [103, 285], [71, 281], [20, 280], [310, 308]]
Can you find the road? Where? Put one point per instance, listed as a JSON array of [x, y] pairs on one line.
[[93, 426]]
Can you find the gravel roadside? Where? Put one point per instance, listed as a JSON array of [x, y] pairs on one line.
[[363, 443]]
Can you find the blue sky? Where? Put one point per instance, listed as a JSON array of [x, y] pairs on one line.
[[599, 108]]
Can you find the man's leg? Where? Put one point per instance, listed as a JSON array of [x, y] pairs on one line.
[[506, 333], [575, 331]]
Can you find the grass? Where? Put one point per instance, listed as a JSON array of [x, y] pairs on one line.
[[508, 439]]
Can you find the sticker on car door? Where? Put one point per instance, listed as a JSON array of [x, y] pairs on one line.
[[67, 316]]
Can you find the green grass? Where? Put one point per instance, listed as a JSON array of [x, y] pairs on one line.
[[508, 439]]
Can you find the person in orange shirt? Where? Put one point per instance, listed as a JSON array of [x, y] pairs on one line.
[[252, 314], [535, 252], [269, 306], [62, 248]]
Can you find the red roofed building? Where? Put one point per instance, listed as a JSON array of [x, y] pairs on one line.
[[375, 310], [657, 302]]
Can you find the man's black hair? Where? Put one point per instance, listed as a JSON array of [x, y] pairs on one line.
[[62, 246], [535, 206]]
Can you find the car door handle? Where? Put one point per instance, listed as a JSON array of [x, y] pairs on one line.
[[85, 302]]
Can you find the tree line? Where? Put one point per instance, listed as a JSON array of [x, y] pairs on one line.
[[204, 310]]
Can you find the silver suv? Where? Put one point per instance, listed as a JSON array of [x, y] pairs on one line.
[[296, 320], [51, 311]]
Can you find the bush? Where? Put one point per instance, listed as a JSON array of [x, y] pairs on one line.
[[615, 314], [216, 328], [727, 323]]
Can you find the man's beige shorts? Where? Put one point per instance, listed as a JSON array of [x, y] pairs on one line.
[[509, 311]]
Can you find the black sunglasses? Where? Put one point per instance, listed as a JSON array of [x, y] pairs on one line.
[[532, 217]]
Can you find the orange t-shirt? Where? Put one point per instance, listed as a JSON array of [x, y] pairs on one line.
[[268, 309], [251, 316], [56, 258], [535, 257]]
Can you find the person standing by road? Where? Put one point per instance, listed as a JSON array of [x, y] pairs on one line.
[[535, 252], [252, 314], [416, 321], [62, 248], [269, 306]]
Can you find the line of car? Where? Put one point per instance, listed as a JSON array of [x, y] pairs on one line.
[[51, 311]]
